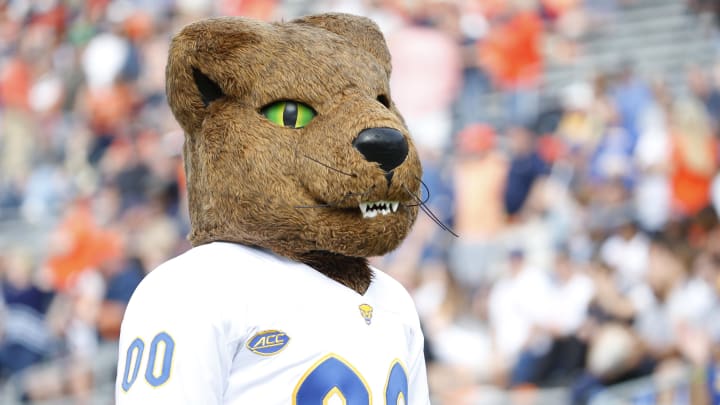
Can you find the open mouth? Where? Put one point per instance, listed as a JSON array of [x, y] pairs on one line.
[[372, 209]]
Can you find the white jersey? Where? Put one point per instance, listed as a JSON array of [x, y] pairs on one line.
[[228, 324]]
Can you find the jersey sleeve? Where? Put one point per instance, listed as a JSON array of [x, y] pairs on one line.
[[174, 347], [418, 392]]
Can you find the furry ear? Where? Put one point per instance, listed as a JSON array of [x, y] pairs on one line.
[[199, 54], [361, 31]]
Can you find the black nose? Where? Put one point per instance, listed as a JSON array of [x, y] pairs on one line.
[[386, 146]]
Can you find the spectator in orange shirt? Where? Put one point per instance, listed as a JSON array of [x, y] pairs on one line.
[[511, 55], [511, 51], [694, 157], [79, 244]]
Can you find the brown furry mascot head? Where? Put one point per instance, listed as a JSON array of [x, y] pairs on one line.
[[293, 143]]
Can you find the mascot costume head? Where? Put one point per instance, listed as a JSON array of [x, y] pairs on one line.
[[293, 143]]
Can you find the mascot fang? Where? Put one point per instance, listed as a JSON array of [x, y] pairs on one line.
[[299, 167]]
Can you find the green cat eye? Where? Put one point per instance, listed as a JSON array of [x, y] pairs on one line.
[[289, 114]]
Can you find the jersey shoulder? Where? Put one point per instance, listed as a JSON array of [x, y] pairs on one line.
[[208, 276], [393, 297], [213, 264]]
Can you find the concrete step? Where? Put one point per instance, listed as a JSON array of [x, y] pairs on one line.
[[646, 10], [641, 54], [662, 64], [628, 23], [668, 38]]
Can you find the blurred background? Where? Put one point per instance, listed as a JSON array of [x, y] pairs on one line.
[[572, 144]]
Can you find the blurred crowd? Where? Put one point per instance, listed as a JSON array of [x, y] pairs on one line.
[[589, 236]]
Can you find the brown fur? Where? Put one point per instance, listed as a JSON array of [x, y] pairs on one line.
[[247, 177]]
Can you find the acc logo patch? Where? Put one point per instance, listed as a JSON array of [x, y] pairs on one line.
[[268, 342]]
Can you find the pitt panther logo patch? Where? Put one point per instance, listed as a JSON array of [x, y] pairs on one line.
[[268, 342], [366, 311]]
